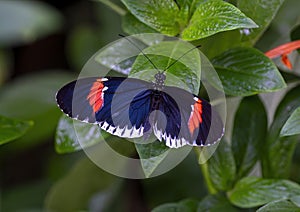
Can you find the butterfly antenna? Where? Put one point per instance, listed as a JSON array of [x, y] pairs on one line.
[[195, 47], [136, 46]]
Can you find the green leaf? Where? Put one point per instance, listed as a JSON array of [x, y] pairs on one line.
[[187, 205], [160, 15], [214, 45], [25, 100], [132, 25], [215, 203], [262, 12], [151, 155], [185, 73], [221, 167], [249, 133], [171, 207], [120, 55], [156, 158], [191, 204], [74, 191], [278, 206], [11, 129], [190, 5], [73, 135], [25, 21], [186, 11], [278, 151], [214, 16], [296, 200], [286, 17], [252, 191], [246, 71], [295, 34], [68, 140], [292, 125]]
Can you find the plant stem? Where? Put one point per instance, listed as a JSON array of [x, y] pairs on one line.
[[207, 180], [204, 169], [113, 6]]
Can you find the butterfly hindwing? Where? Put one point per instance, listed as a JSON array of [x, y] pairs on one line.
[[188, 119]]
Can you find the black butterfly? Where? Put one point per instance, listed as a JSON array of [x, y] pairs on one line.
[[129, 107]]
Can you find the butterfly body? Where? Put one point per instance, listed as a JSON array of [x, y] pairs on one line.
[[128, 107]]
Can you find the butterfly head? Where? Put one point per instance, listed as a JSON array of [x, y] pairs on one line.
[[160, 78]]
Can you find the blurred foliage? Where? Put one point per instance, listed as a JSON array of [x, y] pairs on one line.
[[256, 166], [23, 99], [25, 21], [11, 129]]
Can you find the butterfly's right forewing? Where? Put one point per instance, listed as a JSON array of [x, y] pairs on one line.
[[120, 106]]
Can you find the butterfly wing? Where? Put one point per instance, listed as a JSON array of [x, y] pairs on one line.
[[118, 105], [188, 120]]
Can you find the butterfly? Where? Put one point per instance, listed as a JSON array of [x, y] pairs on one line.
[[133, 108]]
